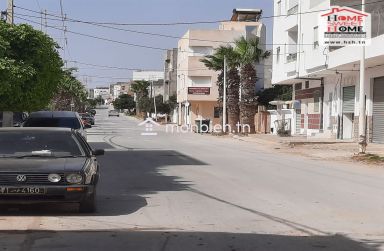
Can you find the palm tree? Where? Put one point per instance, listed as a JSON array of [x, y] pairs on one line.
[[216, 62], [249, 54], [140, 88]]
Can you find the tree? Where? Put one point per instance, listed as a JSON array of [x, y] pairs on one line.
[[30, 68], [124, 101], [99, 100], [249, 54], [216, 62], [165, 107], [143, 102], [91, 103], [278, 92], [70, 95]]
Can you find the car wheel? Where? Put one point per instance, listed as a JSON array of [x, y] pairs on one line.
[[88, 205]]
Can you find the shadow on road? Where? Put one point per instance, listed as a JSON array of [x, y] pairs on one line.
[[127, 177], [174, 241]]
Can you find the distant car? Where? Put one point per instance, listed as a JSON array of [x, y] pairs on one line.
[[40, 165], [88, 118], [113, 113], [65, 119]]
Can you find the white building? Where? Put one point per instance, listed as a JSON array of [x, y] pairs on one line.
[[104, 92], [326, 79], [147, 75], [120, 88], [197, 91]]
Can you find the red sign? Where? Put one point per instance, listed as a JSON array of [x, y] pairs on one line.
[[199, 90]]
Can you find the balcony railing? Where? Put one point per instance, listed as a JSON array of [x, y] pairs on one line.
[[293, 10], [291, 57]]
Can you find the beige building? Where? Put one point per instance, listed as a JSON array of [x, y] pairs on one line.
[[197, 92]]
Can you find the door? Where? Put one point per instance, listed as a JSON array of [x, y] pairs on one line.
[[347, 125], [348, 111], [305, 114], [378, 111], [298, 121]]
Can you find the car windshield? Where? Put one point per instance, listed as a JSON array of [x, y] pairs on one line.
[[39, 144], [53, 122]]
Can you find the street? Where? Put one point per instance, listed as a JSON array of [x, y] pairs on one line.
[[184, 191]]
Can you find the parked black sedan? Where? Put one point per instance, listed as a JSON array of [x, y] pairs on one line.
[[39, 165]]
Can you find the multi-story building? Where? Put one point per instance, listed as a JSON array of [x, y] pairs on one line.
[[170, 74], [103, 92], [326, 79], [121, 88], [197, 92]]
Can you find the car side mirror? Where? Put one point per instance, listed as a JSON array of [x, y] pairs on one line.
[[98, 152], [87, 126]]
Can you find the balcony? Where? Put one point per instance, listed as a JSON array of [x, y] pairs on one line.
[[294, 10]]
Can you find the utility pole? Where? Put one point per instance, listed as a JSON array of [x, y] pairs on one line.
[[154, 100], [7, 115], [225, 95], [362, 131], [10, 12]]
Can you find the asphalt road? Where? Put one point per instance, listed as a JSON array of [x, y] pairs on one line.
[[183, 191]]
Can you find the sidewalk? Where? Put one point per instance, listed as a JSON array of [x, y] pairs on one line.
[[317, 148]]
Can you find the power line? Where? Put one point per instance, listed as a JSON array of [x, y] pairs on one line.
[[98, 38], [200, 22], [102, 24], [147, 24], [133, 69], [96, 76], [104, 66], [129, 30], [137, 45]]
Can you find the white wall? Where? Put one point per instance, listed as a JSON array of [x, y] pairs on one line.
[[147, 75]]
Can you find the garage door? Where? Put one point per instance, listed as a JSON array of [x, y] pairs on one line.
[[349, 99], [378, 111]]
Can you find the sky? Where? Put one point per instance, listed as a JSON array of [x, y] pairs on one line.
[[100, 52]]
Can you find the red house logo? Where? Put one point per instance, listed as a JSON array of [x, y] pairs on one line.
[[343, 26]]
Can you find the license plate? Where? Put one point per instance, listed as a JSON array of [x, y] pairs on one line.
[[22, 190]]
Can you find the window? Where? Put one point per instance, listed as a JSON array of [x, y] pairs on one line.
[[298, 86], [217, 112], [198, 81], [278, 55], [66, 122], [278, 11], [316, 37], [306, 84], [201, 50]]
